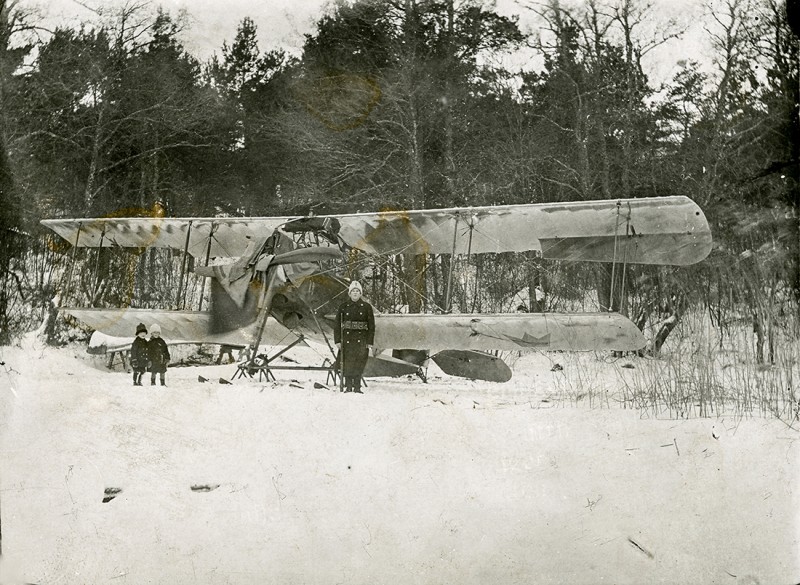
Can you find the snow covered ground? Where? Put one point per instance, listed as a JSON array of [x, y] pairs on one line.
[[451, 481]]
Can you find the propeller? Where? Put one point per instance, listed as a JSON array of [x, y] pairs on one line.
[[229, 312], [311, 254], [298, 256]]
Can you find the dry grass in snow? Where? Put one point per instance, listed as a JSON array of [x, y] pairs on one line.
[[589, 473]]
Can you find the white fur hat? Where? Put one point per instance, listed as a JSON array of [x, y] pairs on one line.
[[355, 285], [155, 328]]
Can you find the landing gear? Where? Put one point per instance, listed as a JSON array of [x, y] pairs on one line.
[[263, 365]]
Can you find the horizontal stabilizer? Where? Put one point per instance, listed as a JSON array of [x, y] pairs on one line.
[[475, 365], [384, 365], [412, 356]]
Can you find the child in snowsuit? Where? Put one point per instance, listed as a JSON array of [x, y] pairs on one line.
[[139, 354], [159, 355]]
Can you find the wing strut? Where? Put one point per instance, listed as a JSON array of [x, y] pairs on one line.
[[270, 282], [97, 263], [628, 229], [624, 257], [208, 255], [614, 259], [183, 269], [471, 222], [452, 263], [72, 262]]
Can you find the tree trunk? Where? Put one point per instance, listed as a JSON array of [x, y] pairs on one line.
[[663, 333], [8, 244], [609, 286], [91, 177], [758, 329], [447, 280], [534, 284], [414, 265], [436, 268], [402, 295], [449, 159]]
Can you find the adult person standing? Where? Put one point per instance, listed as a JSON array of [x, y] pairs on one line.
[[354, 334]]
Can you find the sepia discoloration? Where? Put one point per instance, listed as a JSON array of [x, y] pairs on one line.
[[341, 101], [582, 468]]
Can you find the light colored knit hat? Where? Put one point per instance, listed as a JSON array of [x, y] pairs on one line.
[[355, 285], [155, 328]]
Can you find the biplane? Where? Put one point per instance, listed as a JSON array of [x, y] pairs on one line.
[[277, 283]]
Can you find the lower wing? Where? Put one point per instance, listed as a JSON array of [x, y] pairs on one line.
[[492, 331], [177, 326], [457, 342], [509, 331]]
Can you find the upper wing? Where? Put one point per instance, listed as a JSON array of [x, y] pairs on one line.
[[213, 237], [658, 230], [509, 331]]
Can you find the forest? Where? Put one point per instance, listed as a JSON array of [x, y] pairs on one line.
[[408, 104]]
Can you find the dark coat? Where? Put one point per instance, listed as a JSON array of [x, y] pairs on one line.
[[355, 330], [159, 354], [140, 354]]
